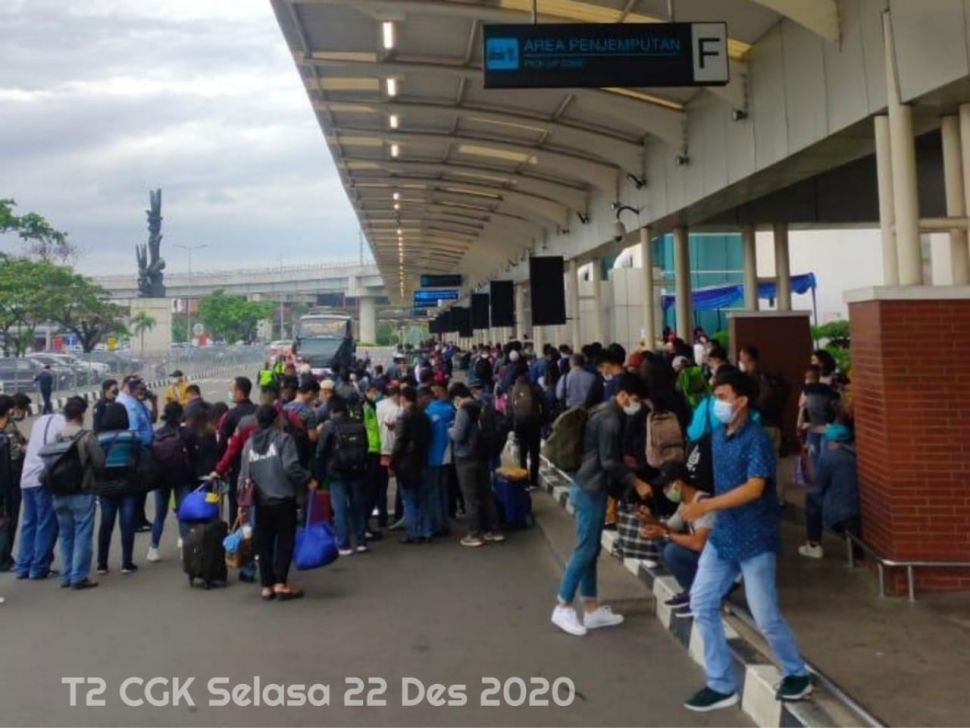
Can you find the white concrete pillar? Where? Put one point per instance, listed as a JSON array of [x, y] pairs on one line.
[[905, 189], [539, 338], [649, 294], [887, 209], [521, 326], [782, 266], [750, 267], [956, 202], [572, 277], [599, 329], [368, 320], [685, 304]]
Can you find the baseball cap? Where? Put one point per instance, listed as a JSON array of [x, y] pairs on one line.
[[670, 473], [177, 373]]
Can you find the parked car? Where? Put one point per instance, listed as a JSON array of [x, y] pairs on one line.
[[17, 375]]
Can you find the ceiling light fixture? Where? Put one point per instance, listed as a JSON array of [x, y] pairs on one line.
[[392, 87], [396, 196], [397, 205], [394, 121], [387, 28], [395, 150]]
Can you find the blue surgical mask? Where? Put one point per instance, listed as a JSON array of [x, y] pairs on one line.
[[673, 494], [837, 433], [723, 411]]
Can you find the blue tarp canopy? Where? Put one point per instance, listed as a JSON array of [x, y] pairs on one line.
[[716, 298]]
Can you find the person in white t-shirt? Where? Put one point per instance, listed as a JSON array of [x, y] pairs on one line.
[[38, 526], [684, 540], [388, 413]]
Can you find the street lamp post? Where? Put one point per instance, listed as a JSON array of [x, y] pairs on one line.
[[188, 299]]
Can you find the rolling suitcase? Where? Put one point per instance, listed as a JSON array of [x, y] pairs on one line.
[[514, 501], [204, 556]]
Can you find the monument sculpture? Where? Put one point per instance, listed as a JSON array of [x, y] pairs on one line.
[[151, 265]]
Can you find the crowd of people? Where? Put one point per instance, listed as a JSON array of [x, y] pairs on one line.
[[678, 439]]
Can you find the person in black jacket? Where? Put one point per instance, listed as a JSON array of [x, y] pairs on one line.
[[342, 456], [241, 389], [107, 406], [602, 466], [409, 461]]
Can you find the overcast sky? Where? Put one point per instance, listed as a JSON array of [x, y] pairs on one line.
[[102, 100]]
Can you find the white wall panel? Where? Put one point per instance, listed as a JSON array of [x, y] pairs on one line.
[[931, 44], [694, 172], [805, 102], [767, 69], [846, 94], [873, 50], [739, 140], [714, 117]]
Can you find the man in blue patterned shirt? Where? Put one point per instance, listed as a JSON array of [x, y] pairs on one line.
[[745, 541]]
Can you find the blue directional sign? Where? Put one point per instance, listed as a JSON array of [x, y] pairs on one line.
[[427, 299], [561, 55]]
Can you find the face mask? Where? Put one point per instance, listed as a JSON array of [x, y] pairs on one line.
[[837, 433], [19, 418], [723, 411], [632, 408], [607, 377], [742, 367], [673, 494]]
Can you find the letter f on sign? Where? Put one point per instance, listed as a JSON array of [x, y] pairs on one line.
[[709, 51]]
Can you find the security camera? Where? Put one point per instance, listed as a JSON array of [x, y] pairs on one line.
[[619, 231], [681, 160], [739, 114]]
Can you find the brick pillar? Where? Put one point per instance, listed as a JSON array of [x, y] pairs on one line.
[[911, 394]]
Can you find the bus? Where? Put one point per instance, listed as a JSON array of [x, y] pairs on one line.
[[325, 341]]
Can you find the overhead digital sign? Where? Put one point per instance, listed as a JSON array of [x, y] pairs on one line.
[[440, 281], [428, 299], [577, 55]]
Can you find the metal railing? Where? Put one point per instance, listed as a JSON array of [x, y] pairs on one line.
[[882, 563]]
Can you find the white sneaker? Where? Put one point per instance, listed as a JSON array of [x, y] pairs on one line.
[[346, 552], [602, 617], [180, 544], [153, 555], [568, 621], [810, 551]]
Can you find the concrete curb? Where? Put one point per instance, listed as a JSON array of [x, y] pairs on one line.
[[756, 676]]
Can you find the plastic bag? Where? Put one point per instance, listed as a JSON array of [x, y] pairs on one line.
[[316, 544], [510, 453]]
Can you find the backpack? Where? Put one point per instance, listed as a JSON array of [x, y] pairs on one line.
[[63, 472], [294, 425], [170, 453], [564, 446], [348, 458], [665, 439], [525, 408], [493, 432]]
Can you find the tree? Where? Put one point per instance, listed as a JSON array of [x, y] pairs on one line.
[[79, 305], [233, 318], [386, 335], [21, 303], [142, 323], [42, 240]]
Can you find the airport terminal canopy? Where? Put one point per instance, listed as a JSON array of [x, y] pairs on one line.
[[447, 176]]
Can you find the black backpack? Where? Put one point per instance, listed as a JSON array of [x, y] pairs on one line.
[[348, 458], [171, 453], [772, 397], [493, 431], [63, 472]]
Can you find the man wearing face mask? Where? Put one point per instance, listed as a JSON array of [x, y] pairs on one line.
[[746, 541], [685, 541], [602, 465], [610, 365]]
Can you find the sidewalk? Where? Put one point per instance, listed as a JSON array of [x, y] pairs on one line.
[[906, 663], [903, 663]]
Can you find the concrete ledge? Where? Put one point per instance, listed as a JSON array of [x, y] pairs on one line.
[[907, 293], [756, 676]]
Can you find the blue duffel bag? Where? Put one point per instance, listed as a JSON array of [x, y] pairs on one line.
[[200, 506], [316, 543]]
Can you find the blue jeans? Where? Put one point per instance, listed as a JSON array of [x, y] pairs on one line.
[[438, 498], [38, 531], [815, 441], [162, 497], [682, 563], [125, 509], [417, 518], [75, 518], [581, 569], [348, 513], [714, 577]]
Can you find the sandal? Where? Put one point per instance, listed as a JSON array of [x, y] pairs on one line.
[[267, 595], [288, 593]]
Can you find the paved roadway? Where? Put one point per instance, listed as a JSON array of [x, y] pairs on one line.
[[438, 613]]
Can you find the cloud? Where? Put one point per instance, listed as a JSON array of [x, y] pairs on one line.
[[102, 100]]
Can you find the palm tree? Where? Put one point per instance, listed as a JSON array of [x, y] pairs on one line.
[[141, 323]]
